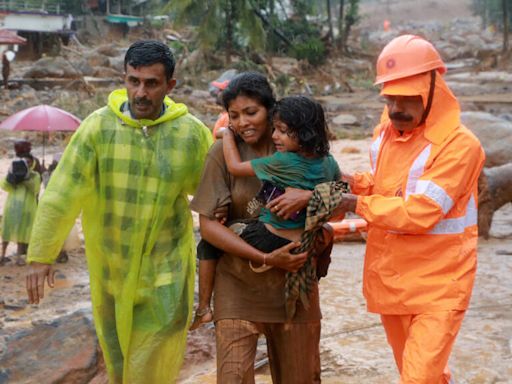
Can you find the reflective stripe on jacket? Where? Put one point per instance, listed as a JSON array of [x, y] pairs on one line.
[[420, 201]]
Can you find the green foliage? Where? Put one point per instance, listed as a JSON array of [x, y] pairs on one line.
[[177, 48], [283, 82], [247, 65], [220, 23], [254, 25], [303, 34], [311, 49], [352, 16], [302, 8], [491, 11], [349, 16]]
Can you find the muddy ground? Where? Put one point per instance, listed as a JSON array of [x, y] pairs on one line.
[[353, 346]]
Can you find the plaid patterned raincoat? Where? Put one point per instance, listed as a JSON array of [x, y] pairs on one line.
[[130, 178]]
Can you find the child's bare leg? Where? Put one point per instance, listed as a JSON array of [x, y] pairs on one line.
[[4, 249], [206, 282], [22, 249], [326, 238], [323, 247]]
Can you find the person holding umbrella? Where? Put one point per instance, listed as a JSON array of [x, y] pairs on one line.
[[41, 118], [22, 185], [129, 168], [23, 148]]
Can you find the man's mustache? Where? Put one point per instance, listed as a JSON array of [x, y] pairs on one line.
[[399, 116], [142, 101]]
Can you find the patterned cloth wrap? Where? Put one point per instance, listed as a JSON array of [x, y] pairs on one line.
[[326, 197]]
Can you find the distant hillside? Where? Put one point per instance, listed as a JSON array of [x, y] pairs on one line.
[[374, 12]]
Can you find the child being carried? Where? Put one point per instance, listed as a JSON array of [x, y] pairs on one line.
[[302, 160]]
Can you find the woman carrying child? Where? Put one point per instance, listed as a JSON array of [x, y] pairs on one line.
[[248, 303]]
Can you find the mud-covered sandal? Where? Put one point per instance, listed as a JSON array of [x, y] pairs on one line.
[[202, 316]]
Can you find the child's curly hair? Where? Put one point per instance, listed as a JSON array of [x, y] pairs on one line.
[[306, 121]]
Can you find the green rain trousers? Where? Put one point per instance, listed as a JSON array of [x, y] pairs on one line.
[[130, 178], [20, 208]]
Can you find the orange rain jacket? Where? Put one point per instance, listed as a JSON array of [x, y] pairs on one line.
[[420, 201]]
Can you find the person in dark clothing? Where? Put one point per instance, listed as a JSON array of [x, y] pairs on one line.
[[6, 70]]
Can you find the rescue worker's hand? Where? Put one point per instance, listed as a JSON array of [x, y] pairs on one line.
[[292, 201], [347, 178], [36, 275], [348, 204], [282, 258], [221, 214]]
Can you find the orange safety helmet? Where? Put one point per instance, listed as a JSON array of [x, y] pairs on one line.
[[405, 56]]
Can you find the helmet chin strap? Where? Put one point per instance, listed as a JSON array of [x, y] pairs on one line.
[[430, 97]]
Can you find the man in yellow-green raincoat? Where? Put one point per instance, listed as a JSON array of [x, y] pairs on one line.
[[129, 169]]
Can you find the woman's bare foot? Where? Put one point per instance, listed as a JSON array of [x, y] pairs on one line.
[[201, 317]]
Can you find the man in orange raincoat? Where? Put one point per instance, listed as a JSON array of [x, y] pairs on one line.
[[420, 202]]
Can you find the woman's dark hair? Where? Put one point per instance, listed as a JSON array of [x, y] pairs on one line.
[[250, 84], [148, 52], [22, 147], [306, 121]]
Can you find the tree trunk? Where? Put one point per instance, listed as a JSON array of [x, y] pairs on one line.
[[229, 30], [505, 25], [341, 28], [272, 28], [494, 191], [329, 21], [350, 20]]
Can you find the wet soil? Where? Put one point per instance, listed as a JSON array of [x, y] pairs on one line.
[[353, 346]]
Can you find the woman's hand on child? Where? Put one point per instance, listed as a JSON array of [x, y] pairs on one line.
[[221, 214], [292, 201], [282, 258]]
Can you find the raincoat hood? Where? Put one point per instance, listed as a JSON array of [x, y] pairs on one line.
[[444, 115], [173, 110]]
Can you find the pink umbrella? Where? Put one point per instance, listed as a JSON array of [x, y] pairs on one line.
[[43, 118]]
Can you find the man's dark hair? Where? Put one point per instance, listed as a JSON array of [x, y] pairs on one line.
[[250, 84], [148, 52], [305, 119]]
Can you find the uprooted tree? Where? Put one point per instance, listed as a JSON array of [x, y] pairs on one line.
[[494, 191], [495, 182]]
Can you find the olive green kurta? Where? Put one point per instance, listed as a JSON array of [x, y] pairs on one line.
[[20, 208]]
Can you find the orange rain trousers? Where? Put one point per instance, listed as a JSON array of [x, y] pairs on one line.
[[422, 344]]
